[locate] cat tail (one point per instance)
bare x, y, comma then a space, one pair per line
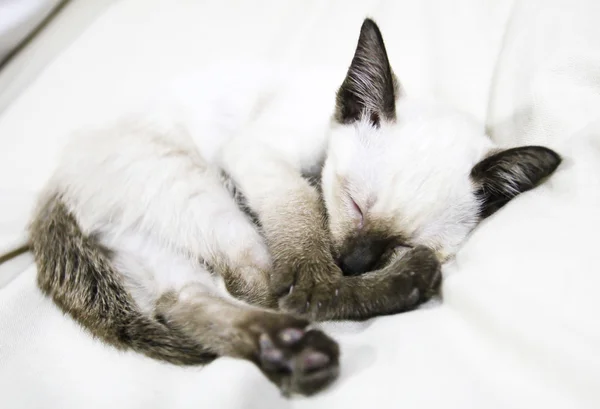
75, 270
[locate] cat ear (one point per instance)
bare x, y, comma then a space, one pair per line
504, 175
370, 88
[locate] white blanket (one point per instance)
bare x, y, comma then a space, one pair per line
518, 325
65, 20
18, 19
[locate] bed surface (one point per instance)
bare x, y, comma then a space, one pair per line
518, 325
18, 19
65, 20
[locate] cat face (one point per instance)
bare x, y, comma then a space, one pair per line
400, 173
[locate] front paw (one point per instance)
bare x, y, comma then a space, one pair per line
316, 303
312, 287
299, 361
418, 276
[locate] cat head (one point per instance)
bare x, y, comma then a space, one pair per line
400, 173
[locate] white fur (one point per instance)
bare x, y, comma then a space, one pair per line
149, 184
413, 174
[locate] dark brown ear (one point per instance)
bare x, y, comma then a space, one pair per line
370, 88
506, 174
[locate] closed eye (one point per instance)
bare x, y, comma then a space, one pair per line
356, 207
357, 210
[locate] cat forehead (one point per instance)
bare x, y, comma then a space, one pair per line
420, 141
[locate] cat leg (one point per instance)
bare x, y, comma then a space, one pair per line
295, 358
215, 230
290, 212
222, 236
305, 276
139, 177
143, 299
400, 286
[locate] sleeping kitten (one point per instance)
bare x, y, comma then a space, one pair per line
140, 239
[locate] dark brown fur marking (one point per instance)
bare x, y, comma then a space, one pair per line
367, 250
369, 65
507, 173
77, 273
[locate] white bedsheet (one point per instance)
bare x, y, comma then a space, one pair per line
19, 18
518, 326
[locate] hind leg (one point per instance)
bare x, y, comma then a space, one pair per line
210, 226
182, 295
169, 193
296, 359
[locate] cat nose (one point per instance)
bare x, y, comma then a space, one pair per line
357, 262
362, 255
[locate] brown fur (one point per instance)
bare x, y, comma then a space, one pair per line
186, 329
76, 272
370, 63
504, 174
368, 248
310, 283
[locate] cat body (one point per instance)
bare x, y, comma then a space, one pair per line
180, 229
168, 154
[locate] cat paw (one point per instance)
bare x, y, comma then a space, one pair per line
299, 361
418, 276
401, 286
310, 289
316, 302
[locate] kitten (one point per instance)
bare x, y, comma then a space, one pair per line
139, 238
